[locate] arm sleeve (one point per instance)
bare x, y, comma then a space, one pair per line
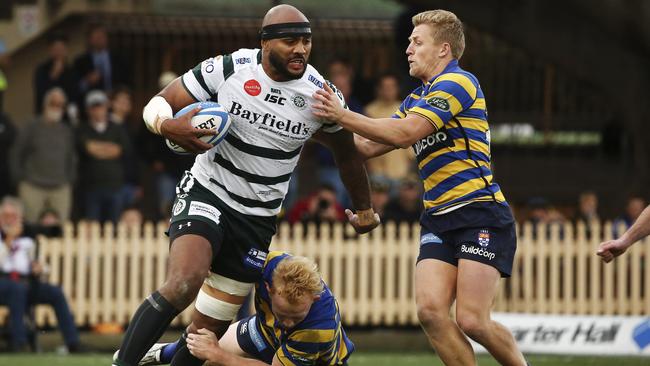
205, 79
450, 94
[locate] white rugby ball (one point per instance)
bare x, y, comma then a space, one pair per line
212, 116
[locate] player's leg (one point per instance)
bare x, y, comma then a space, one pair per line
216, 306
477, 288
189, 261
435, 289
485, 255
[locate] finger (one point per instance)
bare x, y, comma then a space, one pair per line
320, 98
377, 218
204, 331
352, 217
192, 113
327, 88
204, 132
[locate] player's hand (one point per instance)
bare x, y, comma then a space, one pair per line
204, 345
611, 249
180, 131
363, 221
329, 106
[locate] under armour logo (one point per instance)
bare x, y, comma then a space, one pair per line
180, 226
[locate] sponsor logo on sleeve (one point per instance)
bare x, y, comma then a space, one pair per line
205, 210
439, 103
243, 60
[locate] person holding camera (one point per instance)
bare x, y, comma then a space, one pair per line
320, 206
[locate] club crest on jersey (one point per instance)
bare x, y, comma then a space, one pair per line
252, 87
483, 238
299, 102
439, 103
179, 207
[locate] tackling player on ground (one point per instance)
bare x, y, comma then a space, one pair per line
468, 235
225, 211
297, 323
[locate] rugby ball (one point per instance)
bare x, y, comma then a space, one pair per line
212, 116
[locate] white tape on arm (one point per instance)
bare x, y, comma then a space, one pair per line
155, 112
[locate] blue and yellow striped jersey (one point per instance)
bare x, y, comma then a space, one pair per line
318, 340
454, 161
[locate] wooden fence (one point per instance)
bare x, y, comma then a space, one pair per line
105, 277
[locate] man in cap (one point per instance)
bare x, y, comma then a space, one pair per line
101, 144
225, 210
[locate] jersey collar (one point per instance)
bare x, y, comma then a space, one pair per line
451, 65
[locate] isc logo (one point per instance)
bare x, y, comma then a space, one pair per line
275, 99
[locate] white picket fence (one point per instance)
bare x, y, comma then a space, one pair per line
106, 277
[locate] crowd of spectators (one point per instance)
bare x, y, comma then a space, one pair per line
86, 156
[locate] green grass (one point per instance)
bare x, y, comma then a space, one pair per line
359, 359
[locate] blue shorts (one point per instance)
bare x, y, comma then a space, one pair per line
482, 232
252, 341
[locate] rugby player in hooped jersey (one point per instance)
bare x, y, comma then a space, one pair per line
467, 237
226, 206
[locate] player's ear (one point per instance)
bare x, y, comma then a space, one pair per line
316, 298
445, 49
268, 288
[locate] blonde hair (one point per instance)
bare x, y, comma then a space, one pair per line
296, 276
446, 28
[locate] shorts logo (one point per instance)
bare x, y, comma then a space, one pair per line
205, 210
429, 238
299, 102
439, 103
255, 258
477, 251
252, 87
483, 238
256, 337
179, 207
242, 331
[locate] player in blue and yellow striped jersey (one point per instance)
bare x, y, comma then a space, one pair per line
297, 323
467, 238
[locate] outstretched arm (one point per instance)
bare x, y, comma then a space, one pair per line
387, 131
353, 174
639, 230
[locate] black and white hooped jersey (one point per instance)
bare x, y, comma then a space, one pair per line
250, 169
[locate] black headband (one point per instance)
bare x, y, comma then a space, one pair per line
282, 30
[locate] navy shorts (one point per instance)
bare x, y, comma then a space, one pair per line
239, 242
251, 340
482, 232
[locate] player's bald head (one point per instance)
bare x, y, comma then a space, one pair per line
283, 14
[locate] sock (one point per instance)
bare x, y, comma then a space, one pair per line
183, 357
147, 325
168, 352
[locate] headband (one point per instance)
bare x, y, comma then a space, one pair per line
282, 30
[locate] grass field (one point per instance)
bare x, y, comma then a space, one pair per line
359, 359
